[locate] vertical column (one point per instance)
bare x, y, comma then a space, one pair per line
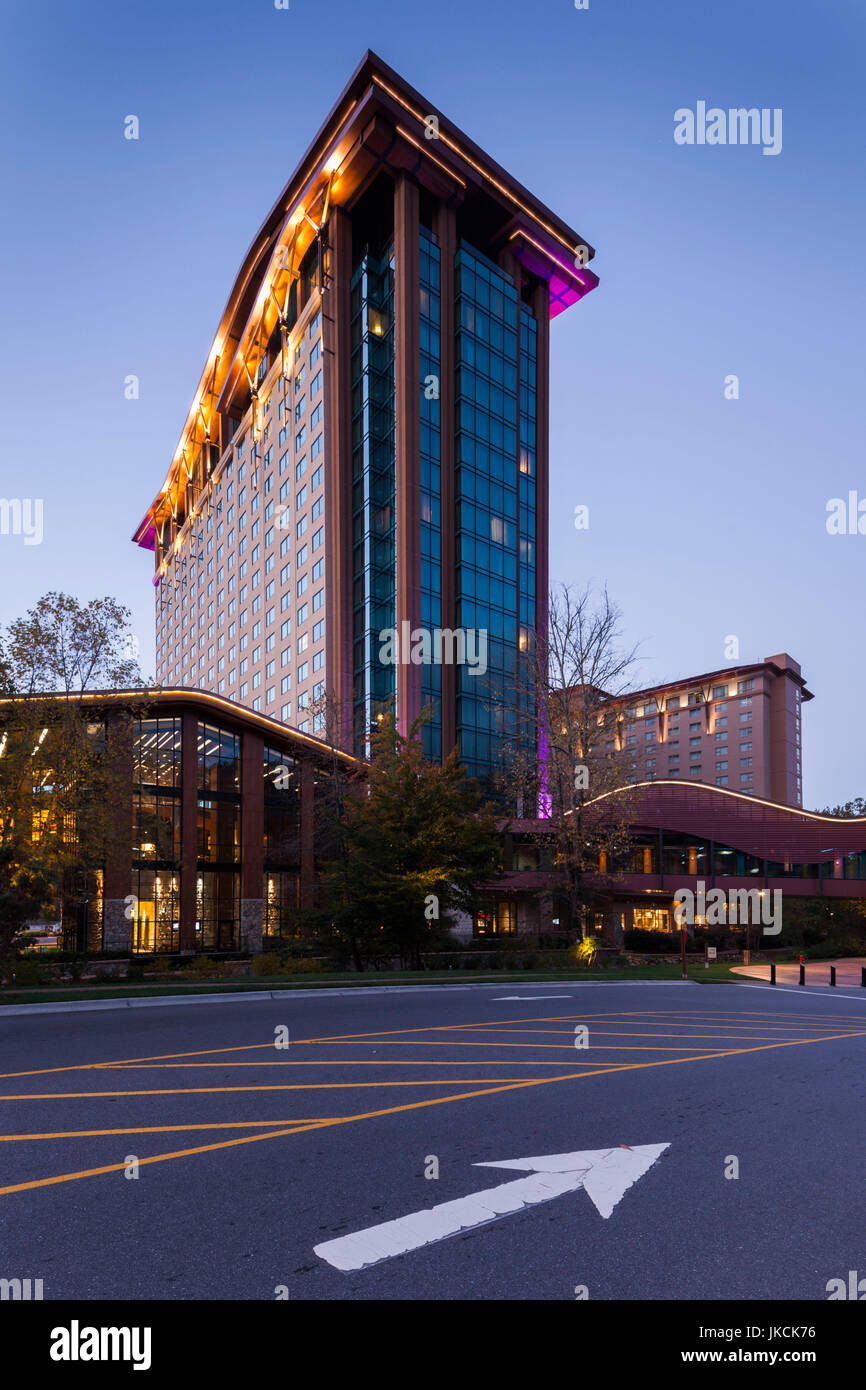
336, 341
541, 310
188, 829
407, 415
117, 883
446, 232
308, 813
252, 838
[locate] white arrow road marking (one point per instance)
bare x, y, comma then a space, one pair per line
605, 1174
503, 998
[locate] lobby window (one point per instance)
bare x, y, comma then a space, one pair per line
156, 924
498, 920
651, 919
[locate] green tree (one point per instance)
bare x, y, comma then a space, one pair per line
58, 780
413, 844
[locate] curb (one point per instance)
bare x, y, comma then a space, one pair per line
167, 1001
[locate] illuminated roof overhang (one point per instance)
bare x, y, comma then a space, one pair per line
378, 123
213, 706
752, 824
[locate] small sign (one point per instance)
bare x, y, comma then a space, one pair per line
711, 953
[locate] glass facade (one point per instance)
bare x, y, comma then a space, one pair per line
373, 486
282, 788
431, 479
156, 924
156, 835
488, 363
281, 895
219, 839
217, 910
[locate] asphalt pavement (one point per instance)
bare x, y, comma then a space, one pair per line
695, 1141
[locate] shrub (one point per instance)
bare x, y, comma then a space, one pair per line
268, 963
26, 972
302, 965
586, 951
651, 942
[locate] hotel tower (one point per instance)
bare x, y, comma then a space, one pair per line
367, 447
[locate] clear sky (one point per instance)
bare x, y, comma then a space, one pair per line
707, 516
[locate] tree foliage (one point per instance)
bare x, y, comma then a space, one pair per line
59, 786
411, 845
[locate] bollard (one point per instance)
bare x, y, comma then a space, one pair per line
833, 975
802, 979
863, 976
772, 972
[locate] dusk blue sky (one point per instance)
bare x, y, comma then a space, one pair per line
707, 516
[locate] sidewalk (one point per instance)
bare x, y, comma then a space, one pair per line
817, 972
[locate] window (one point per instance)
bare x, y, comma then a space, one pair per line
745, 747
720, 692
745, 762
743, 686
